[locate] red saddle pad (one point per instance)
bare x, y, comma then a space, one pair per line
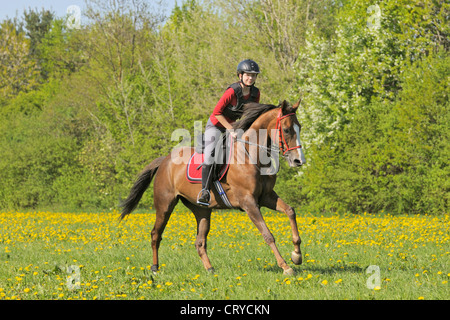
194, 166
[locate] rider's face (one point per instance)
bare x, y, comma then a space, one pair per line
248, 78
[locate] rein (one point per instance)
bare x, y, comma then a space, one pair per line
258, 145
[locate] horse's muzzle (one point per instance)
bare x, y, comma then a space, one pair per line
297, 163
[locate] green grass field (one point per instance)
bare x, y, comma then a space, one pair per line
111, 260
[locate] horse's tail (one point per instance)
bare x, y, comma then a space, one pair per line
139, 187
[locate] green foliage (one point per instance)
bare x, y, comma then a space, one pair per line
82, 111
37, 24
392, 156
34, 150
376, 105
18, 71
59, 51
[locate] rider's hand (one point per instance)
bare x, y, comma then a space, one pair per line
233, 134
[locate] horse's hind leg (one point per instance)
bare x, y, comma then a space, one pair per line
203, 217
164, 206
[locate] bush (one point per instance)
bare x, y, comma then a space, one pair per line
393, 155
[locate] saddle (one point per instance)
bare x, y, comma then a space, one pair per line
194, 165
220, 168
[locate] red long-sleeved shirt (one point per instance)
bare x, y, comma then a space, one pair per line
229, 97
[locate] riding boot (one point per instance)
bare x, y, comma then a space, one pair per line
207, 175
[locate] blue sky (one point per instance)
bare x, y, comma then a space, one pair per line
8, 8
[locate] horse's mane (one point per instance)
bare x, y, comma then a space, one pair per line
251, 112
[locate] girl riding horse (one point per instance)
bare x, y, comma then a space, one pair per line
226, 112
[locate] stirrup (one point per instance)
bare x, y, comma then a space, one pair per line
202, 202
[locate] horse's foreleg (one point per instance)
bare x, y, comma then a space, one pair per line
274, 202
250, 206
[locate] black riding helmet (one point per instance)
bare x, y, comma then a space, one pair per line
248, 66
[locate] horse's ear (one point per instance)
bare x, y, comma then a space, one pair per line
285, 107
297, 104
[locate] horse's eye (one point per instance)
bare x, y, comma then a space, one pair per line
286, 130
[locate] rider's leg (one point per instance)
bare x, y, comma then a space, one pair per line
212, 136
204, 196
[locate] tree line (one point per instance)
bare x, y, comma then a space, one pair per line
83, 110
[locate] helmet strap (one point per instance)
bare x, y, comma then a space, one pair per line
247, 85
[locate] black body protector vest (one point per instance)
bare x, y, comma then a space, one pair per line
235, 112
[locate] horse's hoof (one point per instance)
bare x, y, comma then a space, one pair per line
289, 272
154, 268
211, 270
296, 258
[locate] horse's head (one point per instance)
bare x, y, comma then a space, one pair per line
288, 131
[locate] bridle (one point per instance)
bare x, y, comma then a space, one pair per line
283, 146
281, 139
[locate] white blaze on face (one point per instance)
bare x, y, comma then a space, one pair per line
300, 150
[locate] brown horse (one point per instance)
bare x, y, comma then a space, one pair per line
245, 185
